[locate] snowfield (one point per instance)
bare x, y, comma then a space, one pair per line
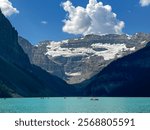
110, 50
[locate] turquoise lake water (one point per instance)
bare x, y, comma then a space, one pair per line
75, 105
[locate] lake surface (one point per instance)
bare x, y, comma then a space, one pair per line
75, 105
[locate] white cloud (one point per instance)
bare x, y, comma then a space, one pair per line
96, 18
144, 2
7, 8
44, 22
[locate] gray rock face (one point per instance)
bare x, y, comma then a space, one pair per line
76, 60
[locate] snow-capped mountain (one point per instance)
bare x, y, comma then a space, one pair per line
76, 60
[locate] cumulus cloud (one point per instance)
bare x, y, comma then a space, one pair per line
44, 22
7, 8
96, 18
144, 2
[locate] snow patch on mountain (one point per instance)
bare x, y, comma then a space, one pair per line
73, 74
108, 51
112, 50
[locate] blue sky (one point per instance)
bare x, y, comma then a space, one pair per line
28, 21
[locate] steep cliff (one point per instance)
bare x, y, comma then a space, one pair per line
19, 78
